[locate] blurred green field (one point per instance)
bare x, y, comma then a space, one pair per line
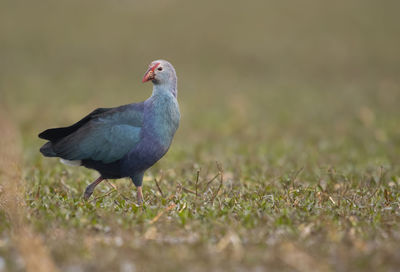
297, 102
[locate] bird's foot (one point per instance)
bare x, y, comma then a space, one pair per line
89, 190
88, 193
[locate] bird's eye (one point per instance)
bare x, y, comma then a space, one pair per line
159, 68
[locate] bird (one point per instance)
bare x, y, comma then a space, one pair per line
124, 141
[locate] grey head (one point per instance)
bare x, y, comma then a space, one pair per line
162, 74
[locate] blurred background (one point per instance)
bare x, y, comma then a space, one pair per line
246, 69
265, 87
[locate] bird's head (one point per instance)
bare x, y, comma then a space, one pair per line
160, 72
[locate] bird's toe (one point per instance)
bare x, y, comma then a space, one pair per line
87, 194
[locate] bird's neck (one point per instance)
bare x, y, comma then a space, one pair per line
162, 117
165, 89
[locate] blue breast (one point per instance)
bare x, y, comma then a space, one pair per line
160, 122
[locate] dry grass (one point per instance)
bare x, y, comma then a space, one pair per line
30, 246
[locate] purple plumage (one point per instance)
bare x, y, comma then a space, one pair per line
124, 141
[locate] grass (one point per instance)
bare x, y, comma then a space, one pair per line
287, 156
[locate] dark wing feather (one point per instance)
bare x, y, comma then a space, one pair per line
54, 134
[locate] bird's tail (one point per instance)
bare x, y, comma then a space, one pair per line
47, 150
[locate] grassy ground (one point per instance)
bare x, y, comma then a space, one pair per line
287, 157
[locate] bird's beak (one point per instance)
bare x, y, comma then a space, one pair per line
149, 75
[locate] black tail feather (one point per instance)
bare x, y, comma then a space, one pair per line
55, 134
47, 150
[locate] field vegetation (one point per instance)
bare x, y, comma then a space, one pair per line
287, 156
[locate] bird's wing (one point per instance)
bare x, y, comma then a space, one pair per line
107, 137
54, 134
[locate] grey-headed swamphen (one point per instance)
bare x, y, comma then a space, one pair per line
124, 141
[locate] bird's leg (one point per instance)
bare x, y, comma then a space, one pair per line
89, 190
139, 195
137, 179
